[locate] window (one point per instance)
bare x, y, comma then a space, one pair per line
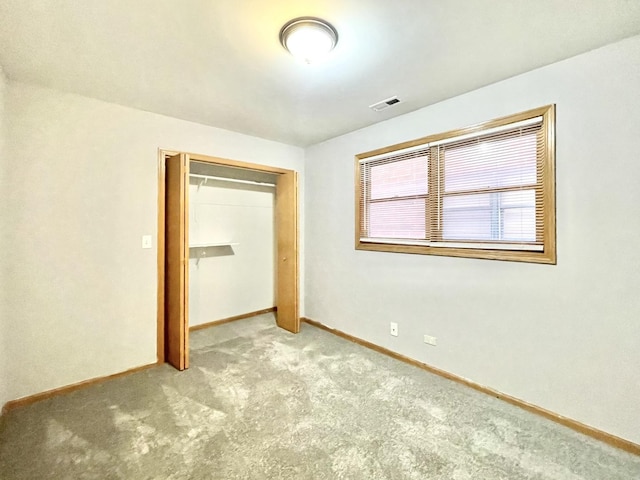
486, 191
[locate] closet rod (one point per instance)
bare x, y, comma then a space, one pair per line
236, 180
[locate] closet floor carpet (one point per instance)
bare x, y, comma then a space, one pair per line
260, 403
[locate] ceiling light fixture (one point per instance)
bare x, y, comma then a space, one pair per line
308, 38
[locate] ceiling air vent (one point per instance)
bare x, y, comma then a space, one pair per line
378, 107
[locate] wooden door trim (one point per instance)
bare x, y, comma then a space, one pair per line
162, 173
162, 154
227, 162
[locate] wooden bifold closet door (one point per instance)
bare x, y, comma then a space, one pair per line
175, 318
287, 316
177, 261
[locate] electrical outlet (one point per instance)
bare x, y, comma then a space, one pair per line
393, 329
429, 340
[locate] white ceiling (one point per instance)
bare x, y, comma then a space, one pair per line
219, 62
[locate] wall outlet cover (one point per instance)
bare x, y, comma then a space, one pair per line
429, 340
393, 329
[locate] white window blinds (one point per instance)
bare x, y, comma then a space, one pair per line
395, 192
478, 190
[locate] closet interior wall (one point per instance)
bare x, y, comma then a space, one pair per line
232, 242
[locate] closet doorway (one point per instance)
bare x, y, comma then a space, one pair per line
174, 242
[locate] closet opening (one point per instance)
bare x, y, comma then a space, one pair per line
231, 243
227, 247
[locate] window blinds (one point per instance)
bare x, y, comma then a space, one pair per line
478, 190
394, 191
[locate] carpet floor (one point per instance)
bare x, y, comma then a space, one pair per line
260, 403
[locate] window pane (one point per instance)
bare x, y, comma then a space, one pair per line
400, 178
509, 216
518, 215
504, 162
398, 219
466, 217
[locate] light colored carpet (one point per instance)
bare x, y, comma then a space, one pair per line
260, 403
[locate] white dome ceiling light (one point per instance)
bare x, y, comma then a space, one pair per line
308, 39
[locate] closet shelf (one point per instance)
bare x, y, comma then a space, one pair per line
216, 244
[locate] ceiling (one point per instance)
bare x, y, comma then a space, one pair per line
219, 62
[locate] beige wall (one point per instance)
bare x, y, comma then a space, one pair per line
83, 190
564, 337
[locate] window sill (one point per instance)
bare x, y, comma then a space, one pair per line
548, 257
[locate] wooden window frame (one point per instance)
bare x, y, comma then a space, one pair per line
547, 171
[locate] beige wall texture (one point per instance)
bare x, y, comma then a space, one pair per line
82, 177
564, 337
